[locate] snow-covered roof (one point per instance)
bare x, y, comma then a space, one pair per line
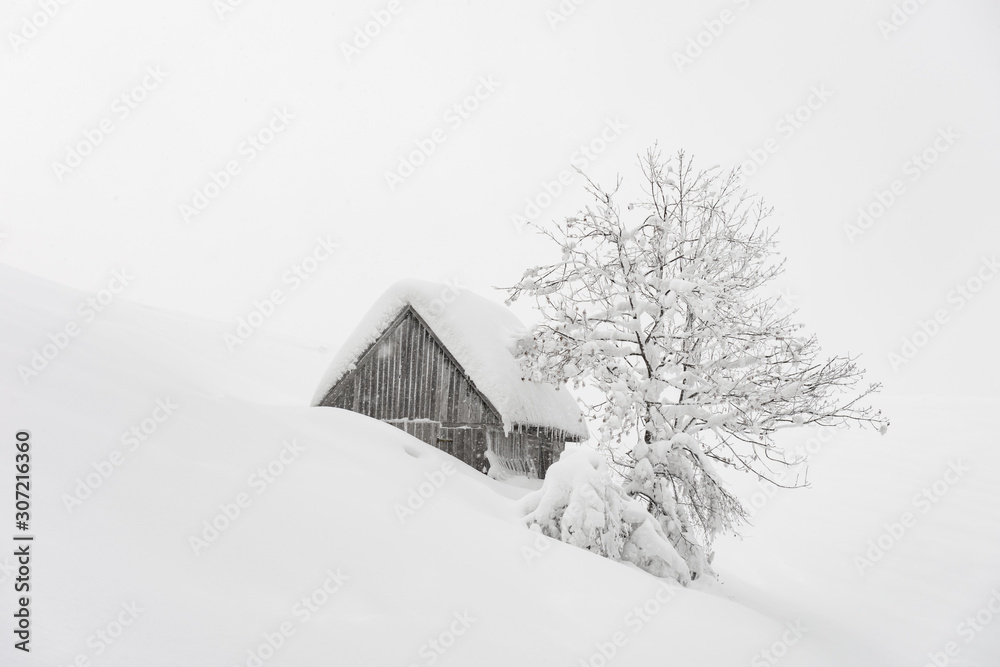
481, 335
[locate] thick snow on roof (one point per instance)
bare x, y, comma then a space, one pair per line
481, 335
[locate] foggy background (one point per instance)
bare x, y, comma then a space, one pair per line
826, 105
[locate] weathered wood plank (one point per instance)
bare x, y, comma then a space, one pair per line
407, 375
408, 379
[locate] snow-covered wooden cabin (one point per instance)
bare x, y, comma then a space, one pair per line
439, 364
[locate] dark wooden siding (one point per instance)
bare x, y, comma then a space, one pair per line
408, 379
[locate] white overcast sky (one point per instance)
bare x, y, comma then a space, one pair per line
885, 97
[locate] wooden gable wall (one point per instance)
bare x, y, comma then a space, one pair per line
408, 379
407, 374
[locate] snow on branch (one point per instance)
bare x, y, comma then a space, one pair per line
661, 307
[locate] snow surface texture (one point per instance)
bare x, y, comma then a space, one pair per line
332, 511
482, 336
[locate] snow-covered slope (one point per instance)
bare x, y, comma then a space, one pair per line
896, 544
318, 493
188, 512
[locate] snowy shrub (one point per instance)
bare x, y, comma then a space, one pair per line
581, 505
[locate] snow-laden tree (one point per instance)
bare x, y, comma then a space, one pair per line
664, 308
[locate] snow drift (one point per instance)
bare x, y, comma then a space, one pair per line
579, 504
308, 559
240, 531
